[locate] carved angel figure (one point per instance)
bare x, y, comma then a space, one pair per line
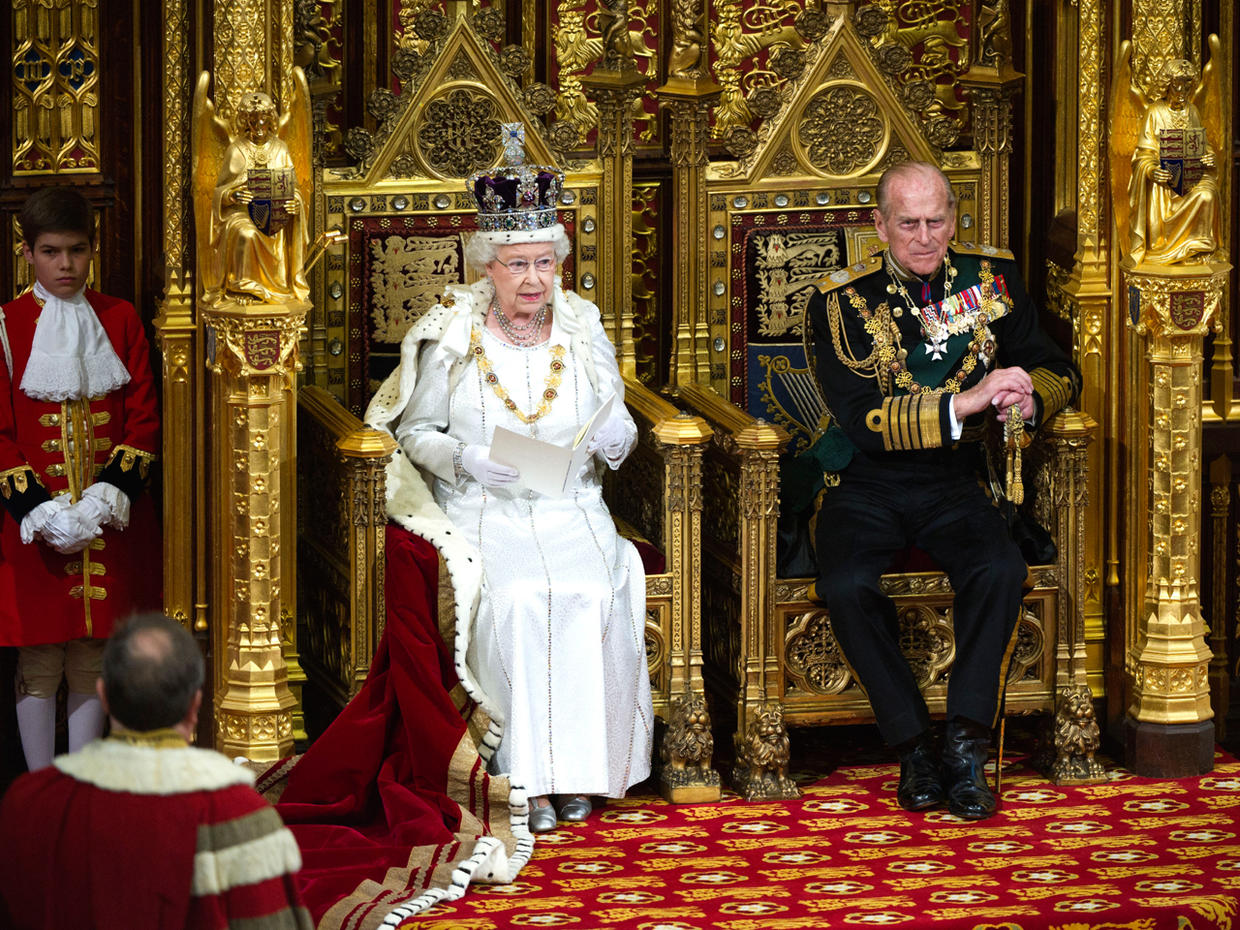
1171, 201
249, 204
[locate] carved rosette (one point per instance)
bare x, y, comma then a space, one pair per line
843, 131
459, 133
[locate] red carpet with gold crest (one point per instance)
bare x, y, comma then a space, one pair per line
1131, 853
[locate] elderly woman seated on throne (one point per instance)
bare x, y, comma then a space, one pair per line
554, 649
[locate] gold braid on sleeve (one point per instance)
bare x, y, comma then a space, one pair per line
17, 480
131, 456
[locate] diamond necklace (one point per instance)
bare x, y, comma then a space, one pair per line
520, 334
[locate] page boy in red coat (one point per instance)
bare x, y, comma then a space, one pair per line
79, 431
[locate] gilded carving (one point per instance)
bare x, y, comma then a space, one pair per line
688, 53
1089, 127
241, 53
842, 130
55, 81
751, 41
1159, 35
686, 752
459, 133
762, 755
1163, 162
176, 141
251, 188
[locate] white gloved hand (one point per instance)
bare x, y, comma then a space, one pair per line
69, 531
611, 439
477, 461
105, 504
34, 522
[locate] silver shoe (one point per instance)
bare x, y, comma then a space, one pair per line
576, 809
542, 819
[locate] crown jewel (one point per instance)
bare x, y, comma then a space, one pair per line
516, 195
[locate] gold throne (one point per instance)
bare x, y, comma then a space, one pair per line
795, 205
403, 210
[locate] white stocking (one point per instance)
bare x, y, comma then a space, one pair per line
85, 719
36, 721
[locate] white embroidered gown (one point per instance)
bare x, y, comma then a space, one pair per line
558, 643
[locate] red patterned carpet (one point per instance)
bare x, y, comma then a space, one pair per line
1132, 853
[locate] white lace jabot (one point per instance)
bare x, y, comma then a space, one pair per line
70, 356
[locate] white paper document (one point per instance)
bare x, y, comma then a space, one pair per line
546, 467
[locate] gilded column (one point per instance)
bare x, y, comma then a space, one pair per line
366, 452
1220, 517
252, 321
690, 94
253, 353
615, 84
685, 437
177, 332
760, 445
1087, 295
1169, 731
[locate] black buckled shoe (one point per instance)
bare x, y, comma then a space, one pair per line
921, 784
965, 750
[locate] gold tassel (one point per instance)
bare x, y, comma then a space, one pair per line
1013, 440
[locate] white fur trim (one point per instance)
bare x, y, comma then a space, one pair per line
116, 766
216, 871
522, 236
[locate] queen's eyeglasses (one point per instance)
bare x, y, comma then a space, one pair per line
519, 266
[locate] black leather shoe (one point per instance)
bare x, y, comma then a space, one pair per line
964, 770
921, 785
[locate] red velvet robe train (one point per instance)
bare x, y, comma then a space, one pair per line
391, 806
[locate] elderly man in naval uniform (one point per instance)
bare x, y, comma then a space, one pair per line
911, 348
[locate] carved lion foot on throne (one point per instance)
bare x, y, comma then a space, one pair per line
761, 770
688, 745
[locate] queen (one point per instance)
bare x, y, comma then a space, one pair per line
555, 649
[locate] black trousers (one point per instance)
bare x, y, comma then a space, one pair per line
875, 513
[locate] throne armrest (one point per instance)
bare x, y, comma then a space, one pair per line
741, 482
658, 492
341, 521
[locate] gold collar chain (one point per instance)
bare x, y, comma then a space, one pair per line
929, 323
549, 387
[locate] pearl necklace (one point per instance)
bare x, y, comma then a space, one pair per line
523, 334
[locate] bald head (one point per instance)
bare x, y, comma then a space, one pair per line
911, 172
152, 673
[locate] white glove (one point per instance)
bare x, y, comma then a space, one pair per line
69, 531
105, 504
34, 522
477, 461
611, 440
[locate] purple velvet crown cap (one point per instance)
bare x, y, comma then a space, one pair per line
516, 197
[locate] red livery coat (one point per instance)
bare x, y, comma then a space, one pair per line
47, 448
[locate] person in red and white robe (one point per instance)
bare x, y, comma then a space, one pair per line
141, 829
